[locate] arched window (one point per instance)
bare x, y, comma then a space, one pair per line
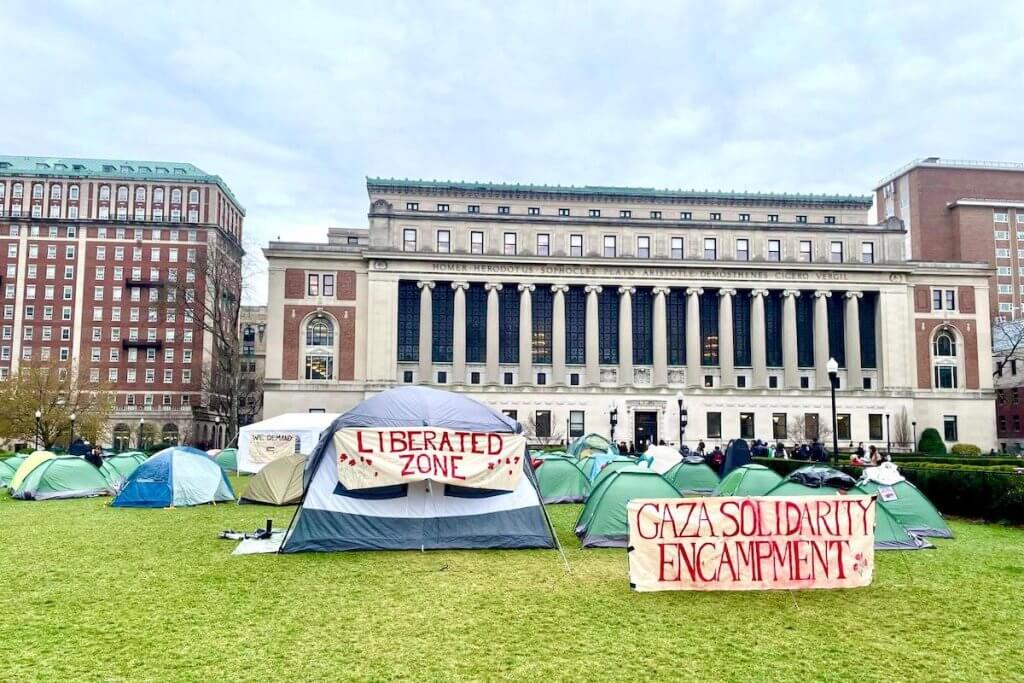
193, 196
140, 194
945, 344
176, 196
104, 193
158, 194
944, 360
17, 190
320, 332
319, 349
73, 193
170, 434
122, 193
55, 192
122, 437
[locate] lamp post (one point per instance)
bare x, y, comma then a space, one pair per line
39, 417
141, 446
613, 419
682, 418
833, 378
914, 425
216, 431
888, 440
72, 440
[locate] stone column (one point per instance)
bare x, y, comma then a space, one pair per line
726, 354
791, 370
854, 377
558, 334
493, 331
693, 336
758, 349
459, 333
593, 346
821, 338
526, 334
659, 331
626, 335
426, 366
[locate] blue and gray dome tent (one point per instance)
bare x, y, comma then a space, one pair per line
175, 477
419, 514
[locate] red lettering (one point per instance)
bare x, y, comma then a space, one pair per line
407, 468
726, 510
455, 460
359, 443
666, 560
445, 444
640, 517
495, 444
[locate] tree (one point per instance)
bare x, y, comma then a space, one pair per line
545, 437
1007, 344
902, 435
798, 430
57, 392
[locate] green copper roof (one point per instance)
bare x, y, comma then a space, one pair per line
856, 201
153, 171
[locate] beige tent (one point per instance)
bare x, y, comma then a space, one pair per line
278, 483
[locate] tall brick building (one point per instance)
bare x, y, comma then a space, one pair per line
95, 255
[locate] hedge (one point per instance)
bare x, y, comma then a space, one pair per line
973, 491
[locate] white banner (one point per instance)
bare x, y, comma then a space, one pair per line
369, 458
264, 448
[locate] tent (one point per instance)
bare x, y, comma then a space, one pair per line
603, 522
279, 483
117, 468
30, 463
749, 480
562, 481
591, 444
420, 514
904, 501
262, 442
176, 476
64, 476
736, 455
597, 469
692, 474
819, 480
8, 467
228, 459
662, 458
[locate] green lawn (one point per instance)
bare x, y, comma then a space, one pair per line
95, 593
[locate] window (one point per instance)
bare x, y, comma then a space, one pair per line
533, 211
875, 427
715, 216
442, 208
945, 377
409, 239
542, 378
610, 245
710, 249
643, 247
327, 280
510, 244
744, 217
543, 244
746, 425
595, 213
576, 423
1000, 217
944, 345
843, 426
656, 214
476, 242
625, 213
563, 212
779, 426
444, 241
575, 245
473, 208
504, 210
867, 252
1002, 253
320, 349
950, 299
412, 206
801, 219
775, 250
542, 424
714, 426
949, 428
685, 215
837, 252
830, 220
677, 248
312, 285
742, 250
773, 218
1002, 234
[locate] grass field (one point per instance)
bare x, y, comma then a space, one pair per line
95, 593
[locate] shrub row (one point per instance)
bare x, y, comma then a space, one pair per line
973, 491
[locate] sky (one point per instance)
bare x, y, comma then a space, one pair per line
295, 103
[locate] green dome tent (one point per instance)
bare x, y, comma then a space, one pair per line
27, 465
584, 446
8, 467
603, 522
117, 468
561, 481
64, 476
228, 459
904, 501
692, 474
889, 533
278, 483
749, 480
596, 473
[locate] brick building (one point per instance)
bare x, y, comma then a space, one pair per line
253, 324
94, 257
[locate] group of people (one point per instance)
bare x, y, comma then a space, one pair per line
812, 451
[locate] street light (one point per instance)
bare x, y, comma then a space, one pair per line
140, 434
39, 417
914, 425
682, 418
73, 416
888, 440
216, 431
833, 376
613, 419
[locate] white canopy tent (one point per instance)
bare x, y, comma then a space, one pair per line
265, 441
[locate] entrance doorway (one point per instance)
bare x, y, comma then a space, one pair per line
645, 429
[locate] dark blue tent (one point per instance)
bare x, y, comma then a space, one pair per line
422, 514
176, 476
736, 456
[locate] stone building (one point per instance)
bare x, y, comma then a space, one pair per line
581, 309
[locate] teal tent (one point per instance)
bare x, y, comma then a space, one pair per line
591, 444
749, 480
8, 467
64, 476
561, 480
228, 459
598, 467
692, 474
603, 522
117, 468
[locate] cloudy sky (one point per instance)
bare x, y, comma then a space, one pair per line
295, 103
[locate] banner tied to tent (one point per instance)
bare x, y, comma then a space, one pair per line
761, 543
369, 458
264, 448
